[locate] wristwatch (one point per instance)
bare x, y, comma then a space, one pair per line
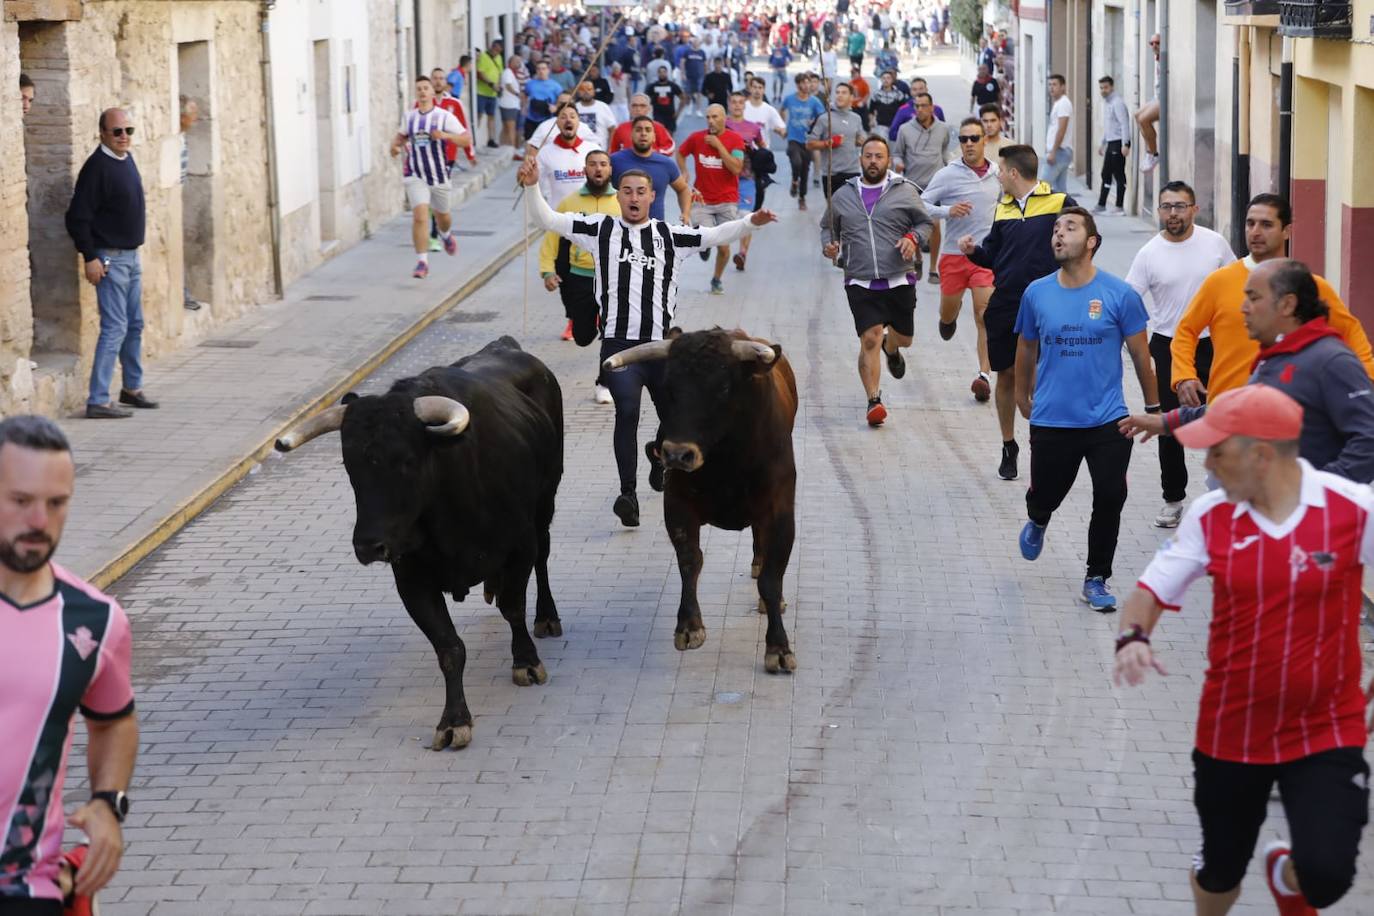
118, 802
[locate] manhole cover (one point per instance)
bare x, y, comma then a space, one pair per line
329, 298
222, 344
729, 697
470, 317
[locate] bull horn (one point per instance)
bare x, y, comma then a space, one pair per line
749, 350
654, 349
326, 421
441, 416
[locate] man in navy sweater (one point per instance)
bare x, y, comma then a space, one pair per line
106, 223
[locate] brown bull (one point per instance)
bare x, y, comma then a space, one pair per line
726, 446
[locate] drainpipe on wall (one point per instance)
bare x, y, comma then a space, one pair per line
1088, 107
419, 64
1162, 124
1240, 138
273, 199
1286, 120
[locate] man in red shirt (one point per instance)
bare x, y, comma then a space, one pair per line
640, 107
1286, 546
719, 157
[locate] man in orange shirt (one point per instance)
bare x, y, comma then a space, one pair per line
1216, 307
862, 91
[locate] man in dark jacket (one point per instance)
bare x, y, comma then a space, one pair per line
876, 223
1305, 358
106, 223
1018, 252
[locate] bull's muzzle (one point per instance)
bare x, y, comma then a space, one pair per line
681, 456
369, 552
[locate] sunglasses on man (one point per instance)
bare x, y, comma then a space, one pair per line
122, 131
970, 138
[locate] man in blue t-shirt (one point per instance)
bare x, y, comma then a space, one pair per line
542, 95
662, 169
693, 63
778, 59
800, 110
1070, 330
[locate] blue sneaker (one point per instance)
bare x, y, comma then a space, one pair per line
1032, 540
1097, 596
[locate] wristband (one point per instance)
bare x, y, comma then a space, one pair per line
1132, 634
911, 236
1152, 408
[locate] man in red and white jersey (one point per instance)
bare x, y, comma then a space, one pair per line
1286, 546
63, 646
622, 136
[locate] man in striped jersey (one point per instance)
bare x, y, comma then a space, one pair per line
636, 258
1286, 545
424, 129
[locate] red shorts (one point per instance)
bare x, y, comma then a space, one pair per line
958, 273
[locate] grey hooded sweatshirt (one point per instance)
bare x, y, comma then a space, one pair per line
868, 241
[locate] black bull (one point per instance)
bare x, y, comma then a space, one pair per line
726, 447
454, 473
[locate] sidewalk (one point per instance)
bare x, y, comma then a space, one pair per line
225, 400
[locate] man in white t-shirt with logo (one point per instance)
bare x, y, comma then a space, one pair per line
597, 115
1171, 266
563, 160
423, 131
1054, 168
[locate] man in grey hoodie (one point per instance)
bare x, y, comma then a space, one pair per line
874, 225
1305, 358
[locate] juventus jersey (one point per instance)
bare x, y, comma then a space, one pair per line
637, 266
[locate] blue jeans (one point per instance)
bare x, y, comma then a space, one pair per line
1058, 173
120, 296
626, 385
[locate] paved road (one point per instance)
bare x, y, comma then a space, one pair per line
951, 743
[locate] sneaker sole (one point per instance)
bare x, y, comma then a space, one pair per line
877, 416
627, 518
1104, 609
982, 391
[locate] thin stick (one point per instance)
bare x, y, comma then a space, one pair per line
525, 272
830, 153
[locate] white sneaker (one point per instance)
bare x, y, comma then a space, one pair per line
1169, 516
1117, 211
602, 395
1148, 161
1099, 210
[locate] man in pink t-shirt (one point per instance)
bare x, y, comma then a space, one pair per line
63, 646
750, 194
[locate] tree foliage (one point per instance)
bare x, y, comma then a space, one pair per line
966, 18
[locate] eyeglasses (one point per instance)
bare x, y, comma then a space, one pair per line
965, 138
1173, 208
122, 131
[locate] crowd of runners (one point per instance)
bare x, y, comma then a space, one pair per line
1256, 360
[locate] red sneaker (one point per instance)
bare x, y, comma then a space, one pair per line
877, 413
739, 261
75, 904
981, 388
567, 332
1288, 904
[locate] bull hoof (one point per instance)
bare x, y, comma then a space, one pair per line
689, 639
551, 627
524, 675
488, 596
458, 736
755, 568
763, 608
776, 661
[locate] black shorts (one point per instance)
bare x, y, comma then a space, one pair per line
894, 308
1000, 322
1325, 798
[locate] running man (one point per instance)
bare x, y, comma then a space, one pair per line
924, 146
837, 135
800, 109
662, 169
993, 141
1171, 267
876, 222
751, 186
1287, 546
570, 269
718, 157
1072, 326
965, 193
637, 289
424, 129
1017, 249
641, 107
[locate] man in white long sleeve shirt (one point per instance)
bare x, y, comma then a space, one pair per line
965, 193
637, 268
1115, 145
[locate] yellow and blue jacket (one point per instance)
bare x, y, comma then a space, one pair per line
1017, 248
559, 256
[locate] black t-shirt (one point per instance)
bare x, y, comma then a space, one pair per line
717, 87
664, 95
990, 91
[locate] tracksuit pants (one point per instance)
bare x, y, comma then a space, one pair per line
1056, 453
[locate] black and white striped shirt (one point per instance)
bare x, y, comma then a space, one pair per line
637, 267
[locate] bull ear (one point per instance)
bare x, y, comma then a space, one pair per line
349, 398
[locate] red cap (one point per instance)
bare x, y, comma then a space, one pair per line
1256, 411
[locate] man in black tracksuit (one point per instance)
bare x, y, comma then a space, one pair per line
1018, 252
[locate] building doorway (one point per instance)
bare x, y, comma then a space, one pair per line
324, 143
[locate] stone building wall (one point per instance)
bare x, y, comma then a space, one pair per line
16, 317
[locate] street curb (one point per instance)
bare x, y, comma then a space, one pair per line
179, 517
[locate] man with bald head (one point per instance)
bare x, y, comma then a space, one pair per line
718, 156
106, 221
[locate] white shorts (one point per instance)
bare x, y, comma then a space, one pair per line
715, 214
421, 193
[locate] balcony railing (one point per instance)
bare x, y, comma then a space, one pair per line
1252, 7
1315, 19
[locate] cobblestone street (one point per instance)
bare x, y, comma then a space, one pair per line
951, 742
